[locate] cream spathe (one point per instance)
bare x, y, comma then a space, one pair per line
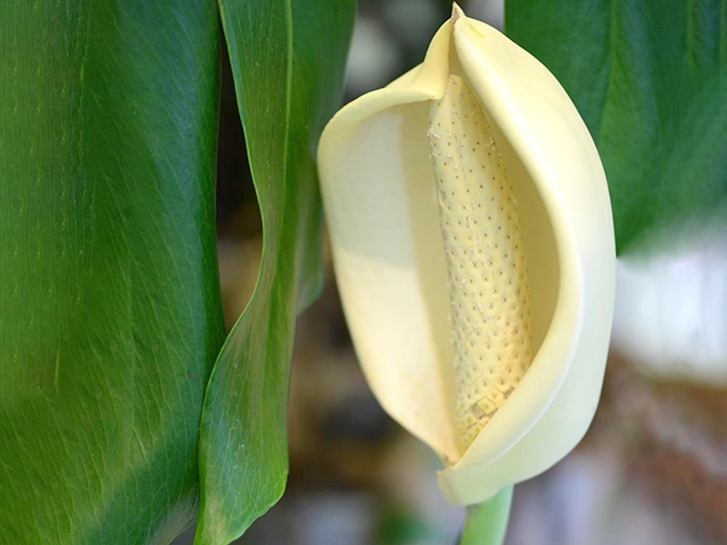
473, 244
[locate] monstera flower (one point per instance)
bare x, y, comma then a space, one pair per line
473, 246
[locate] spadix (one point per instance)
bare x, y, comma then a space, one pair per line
473, 245
486, 263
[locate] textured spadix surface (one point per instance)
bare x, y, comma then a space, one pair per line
486, 265
473, 245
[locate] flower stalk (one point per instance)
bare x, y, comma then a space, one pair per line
486, 523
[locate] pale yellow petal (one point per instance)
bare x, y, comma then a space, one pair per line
378, 192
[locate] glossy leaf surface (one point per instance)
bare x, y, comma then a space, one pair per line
111, 316
650, 79
287, 59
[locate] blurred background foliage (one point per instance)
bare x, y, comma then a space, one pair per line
652, 469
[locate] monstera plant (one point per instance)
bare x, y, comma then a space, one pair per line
469, 219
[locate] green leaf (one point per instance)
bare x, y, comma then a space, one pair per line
650, 79
111, 315
287, 60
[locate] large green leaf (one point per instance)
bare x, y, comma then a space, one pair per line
110, 315
287, 60
650, 79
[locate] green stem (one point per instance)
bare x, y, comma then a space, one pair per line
486, 523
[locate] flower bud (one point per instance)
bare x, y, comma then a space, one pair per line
473, 245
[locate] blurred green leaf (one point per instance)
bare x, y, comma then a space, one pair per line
111, 315
287, 60
399, 526
650, 79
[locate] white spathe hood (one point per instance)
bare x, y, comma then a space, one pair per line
380, 196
